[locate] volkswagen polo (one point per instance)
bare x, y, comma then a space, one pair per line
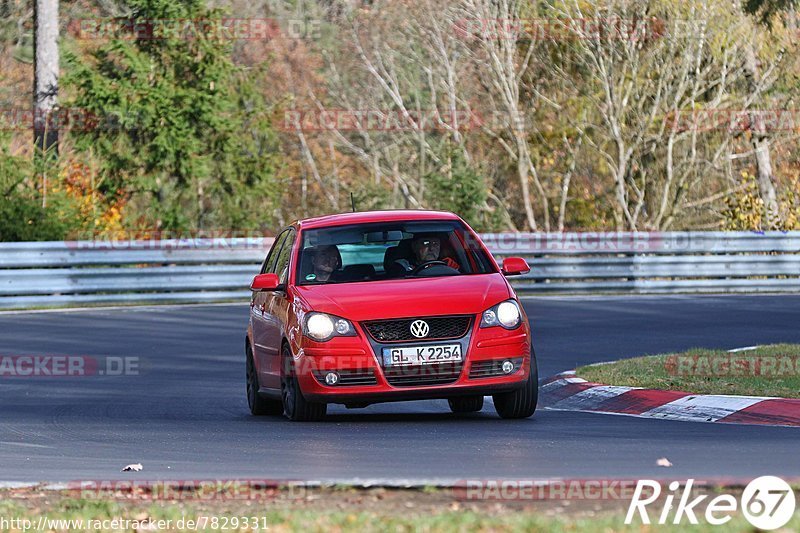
383, 306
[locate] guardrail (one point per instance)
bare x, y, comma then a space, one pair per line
669, 262
49, 274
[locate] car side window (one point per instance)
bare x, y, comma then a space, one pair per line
282, 262
269, 262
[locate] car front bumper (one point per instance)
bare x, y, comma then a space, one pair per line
360, 358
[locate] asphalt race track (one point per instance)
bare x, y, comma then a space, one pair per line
185, 416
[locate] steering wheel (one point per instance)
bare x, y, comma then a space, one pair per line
427, 264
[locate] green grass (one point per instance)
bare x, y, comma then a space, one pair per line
772, 370
358, 510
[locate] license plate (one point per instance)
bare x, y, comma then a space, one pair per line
421, 355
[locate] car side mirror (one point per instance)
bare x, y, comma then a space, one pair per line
514, 266
265, 282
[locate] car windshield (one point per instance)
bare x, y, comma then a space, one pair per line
389, 250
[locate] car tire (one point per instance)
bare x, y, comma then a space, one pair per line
520, 403
295, 405
467, 404
259, 405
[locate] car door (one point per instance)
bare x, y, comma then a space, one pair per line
276, 306
260, 319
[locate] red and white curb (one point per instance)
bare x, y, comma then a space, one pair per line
566, 392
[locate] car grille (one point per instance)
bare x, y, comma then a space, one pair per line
349, 377
414, 376
492, 368
441, 328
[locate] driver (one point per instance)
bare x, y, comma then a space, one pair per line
428, 248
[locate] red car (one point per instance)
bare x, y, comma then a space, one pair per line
383, 306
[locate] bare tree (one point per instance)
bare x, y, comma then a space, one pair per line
613, 109
46, 71
503, 60
405, 86
644, 75
761, 139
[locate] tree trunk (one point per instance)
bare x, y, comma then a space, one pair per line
760, 139
523, 164
766, 185
46, 69
791, 17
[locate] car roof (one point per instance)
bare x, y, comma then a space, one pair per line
363, 217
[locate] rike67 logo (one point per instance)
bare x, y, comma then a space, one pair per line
767, 502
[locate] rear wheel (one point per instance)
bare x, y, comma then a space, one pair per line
468, 404
520, 403
295, 406
258, 405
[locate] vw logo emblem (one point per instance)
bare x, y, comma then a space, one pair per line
419, 328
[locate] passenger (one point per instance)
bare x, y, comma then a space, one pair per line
326, 261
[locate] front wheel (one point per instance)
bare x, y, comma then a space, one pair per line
520, 403
295, 406
468, 404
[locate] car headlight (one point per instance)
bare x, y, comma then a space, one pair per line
505, 314
322, 327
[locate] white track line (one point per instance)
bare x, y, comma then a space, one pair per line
745, 349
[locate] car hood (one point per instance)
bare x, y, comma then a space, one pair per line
400, 298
